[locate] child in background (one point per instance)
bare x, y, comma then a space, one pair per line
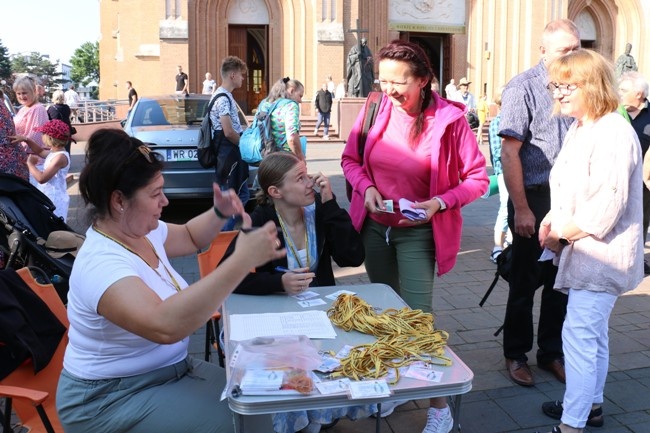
482, 109
52, 180
502, 235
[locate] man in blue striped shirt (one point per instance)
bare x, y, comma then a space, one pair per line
532, 138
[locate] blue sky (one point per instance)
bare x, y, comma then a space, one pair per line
51, 27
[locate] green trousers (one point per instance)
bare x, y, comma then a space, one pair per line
403, 258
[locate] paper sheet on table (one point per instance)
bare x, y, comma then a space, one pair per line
313, 324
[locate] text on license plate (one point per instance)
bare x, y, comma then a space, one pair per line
174, 155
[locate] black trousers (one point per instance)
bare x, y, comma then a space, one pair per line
526, 276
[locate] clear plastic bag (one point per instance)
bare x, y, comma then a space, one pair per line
273, 365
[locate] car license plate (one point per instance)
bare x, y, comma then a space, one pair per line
175, 155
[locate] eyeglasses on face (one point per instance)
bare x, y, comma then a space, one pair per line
564, 89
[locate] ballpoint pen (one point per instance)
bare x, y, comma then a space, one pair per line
282, 269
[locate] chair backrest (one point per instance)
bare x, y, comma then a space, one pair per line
48, 378
210, 258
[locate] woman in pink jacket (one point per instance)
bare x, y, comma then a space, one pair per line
420, 148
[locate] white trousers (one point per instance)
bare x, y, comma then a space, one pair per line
585, 343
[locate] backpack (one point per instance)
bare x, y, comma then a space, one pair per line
257, 141
205, 151
504, 264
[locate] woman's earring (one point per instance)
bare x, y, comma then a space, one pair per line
121, 209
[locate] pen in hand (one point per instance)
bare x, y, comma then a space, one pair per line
282, 269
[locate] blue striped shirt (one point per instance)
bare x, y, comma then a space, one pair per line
527, 116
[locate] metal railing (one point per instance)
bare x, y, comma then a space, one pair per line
96, 111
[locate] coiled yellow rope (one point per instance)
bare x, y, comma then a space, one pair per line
403, 336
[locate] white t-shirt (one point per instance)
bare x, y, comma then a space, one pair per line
71, 98
208, 87
56, 189
99, 349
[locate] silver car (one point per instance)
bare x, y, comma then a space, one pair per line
170, 124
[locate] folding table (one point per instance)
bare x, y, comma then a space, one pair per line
456, 379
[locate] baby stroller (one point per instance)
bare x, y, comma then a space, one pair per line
26, 222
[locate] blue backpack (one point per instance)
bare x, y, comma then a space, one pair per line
257, 141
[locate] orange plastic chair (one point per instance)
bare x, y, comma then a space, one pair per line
33, 395
208, 260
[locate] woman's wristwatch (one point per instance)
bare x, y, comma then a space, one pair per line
219, 214
564, 241
443, 205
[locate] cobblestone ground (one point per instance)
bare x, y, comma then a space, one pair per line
495, 404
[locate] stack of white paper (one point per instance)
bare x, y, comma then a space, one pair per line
260, 381
313, 324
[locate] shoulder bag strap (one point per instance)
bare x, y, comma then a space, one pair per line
210, 105
217, 96
371, 109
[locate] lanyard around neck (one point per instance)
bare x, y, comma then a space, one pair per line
291, 244
132, 251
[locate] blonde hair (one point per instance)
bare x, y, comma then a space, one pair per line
53, 142
595, 77
58, 97
272, 172
26, 84
281, 88
497, 96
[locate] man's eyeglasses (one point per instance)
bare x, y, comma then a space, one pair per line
564, 89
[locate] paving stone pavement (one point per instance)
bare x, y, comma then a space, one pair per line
495, 404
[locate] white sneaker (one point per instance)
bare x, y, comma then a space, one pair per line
389, 407
439, 421
315, 131
326, 137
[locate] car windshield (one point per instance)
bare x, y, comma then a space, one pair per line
170, 111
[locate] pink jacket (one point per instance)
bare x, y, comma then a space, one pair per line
456, 162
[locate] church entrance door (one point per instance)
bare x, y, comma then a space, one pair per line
250, 43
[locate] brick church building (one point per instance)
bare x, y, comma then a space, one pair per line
487, 41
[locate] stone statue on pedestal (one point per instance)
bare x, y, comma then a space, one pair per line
625, 62
360, 75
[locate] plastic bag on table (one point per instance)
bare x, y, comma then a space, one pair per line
273, 365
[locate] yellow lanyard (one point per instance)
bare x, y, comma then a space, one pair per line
292, 246
129, 249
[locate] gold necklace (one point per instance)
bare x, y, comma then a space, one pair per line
289, 240
132, 251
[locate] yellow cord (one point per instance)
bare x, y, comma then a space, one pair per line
403, 337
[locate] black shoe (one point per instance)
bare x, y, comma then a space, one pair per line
554, 409
646, 268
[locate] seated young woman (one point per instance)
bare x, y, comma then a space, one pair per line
311, 226
314, 230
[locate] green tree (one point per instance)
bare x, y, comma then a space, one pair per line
85, 63
5, 62
37, 65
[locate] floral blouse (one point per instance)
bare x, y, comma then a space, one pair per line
12, 156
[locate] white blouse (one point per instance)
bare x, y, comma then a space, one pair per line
596, 182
